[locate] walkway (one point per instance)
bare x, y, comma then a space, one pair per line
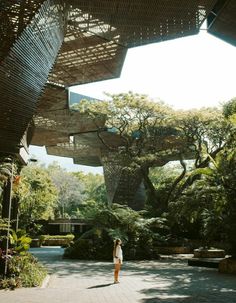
165, 281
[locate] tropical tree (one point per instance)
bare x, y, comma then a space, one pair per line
142, 130
205, 200
227, 175
148, 134
225, 172
163, 179
37, 194
94, 187
69, 191
229, 110
208, 133
137, 121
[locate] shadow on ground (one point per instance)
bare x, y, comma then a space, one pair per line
100, 285
161, 281
174, 282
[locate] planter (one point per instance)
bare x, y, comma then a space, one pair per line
170, 250
227, 266
56, 242
35, 243
209, 253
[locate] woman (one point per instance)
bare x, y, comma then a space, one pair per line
117, 259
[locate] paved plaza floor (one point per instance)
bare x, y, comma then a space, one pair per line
169, 280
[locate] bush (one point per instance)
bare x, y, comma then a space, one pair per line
81, 249
63, 240
23, 271
93, 245
96, 245
137, 234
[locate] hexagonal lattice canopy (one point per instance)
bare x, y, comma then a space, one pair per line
100, 32
92, 38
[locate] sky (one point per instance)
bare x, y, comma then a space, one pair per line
191, 72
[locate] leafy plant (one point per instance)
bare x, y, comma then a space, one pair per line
118, 221
58, 239
19, 241
23, 271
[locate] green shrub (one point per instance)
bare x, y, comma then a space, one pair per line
56, 239
23, 271
95, 244
10, 283
81, 249
138, 235
19, 241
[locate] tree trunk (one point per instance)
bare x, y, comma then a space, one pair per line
151, 191
177, 180
6, 199
191, 179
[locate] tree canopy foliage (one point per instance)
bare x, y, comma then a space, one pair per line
143, 128
69, 191
37, 194
52, 192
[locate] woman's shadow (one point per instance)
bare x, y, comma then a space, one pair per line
100, 285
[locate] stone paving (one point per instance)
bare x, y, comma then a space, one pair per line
169, 280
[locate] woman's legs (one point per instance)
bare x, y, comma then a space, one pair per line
116, 272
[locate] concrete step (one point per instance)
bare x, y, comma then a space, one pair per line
205, 262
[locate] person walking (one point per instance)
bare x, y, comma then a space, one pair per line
117, 259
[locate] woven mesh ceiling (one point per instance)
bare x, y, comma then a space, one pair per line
98, 36
86, 58
99, 33
26, 60
222, 21
14, 16
81, 41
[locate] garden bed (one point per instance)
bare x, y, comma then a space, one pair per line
22, 271
169, 250
209, 253
57, 240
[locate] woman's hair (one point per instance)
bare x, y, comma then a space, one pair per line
116, 242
